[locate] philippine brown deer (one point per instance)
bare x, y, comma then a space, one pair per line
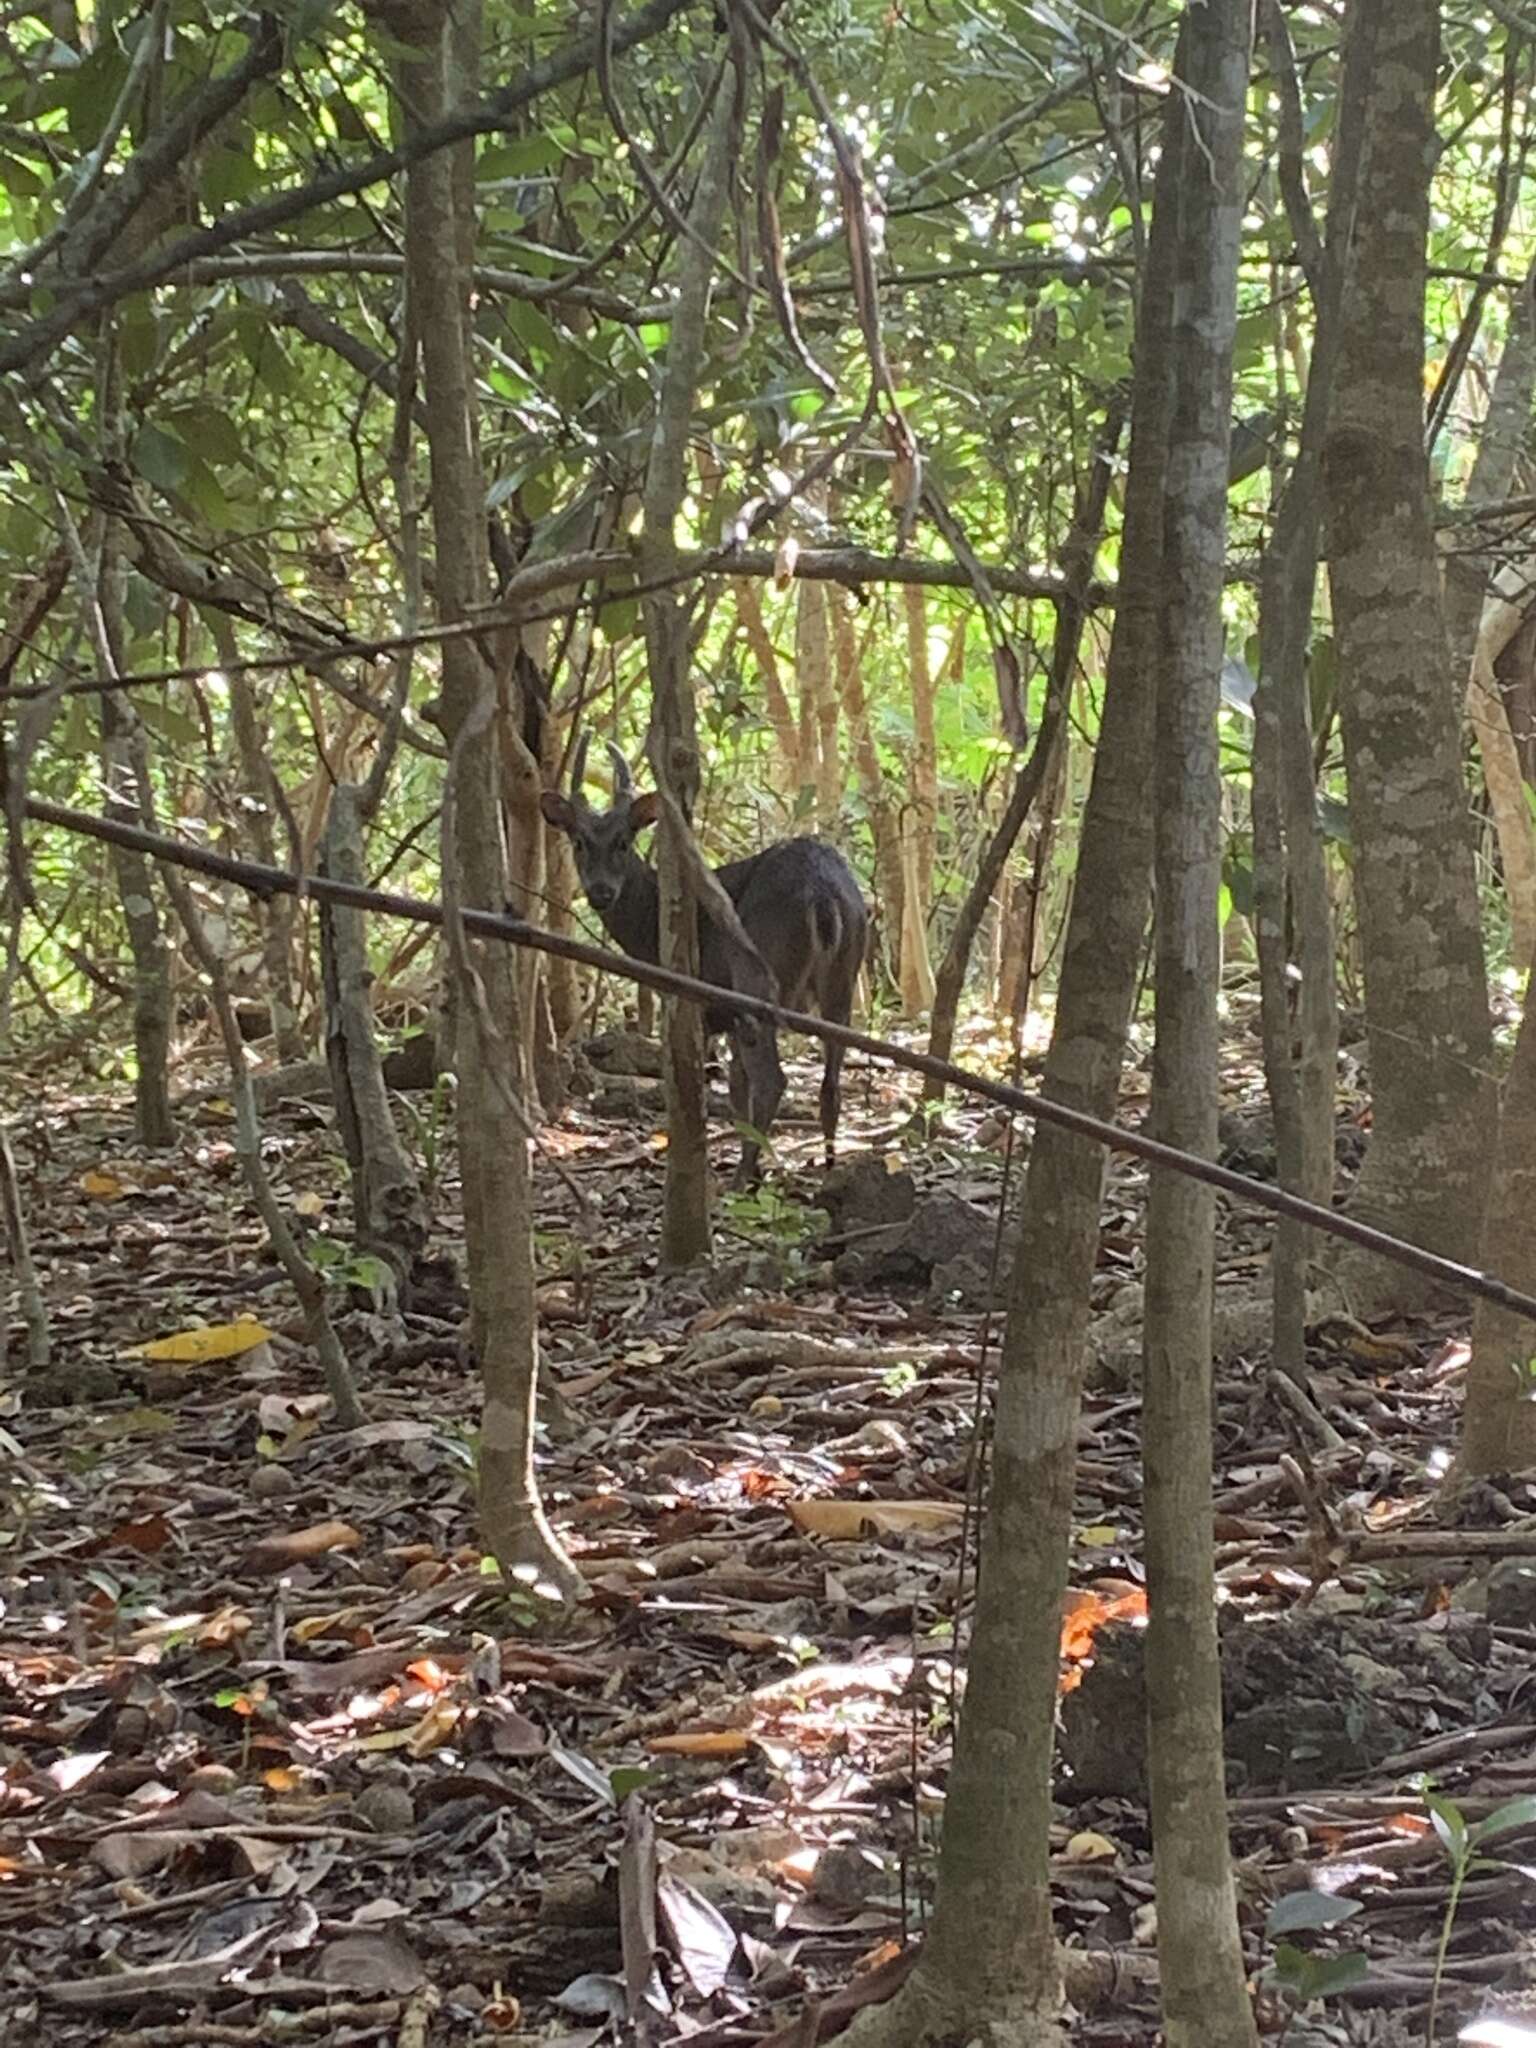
798, 903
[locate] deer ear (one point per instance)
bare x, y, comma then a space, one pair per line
643, 810
557, 809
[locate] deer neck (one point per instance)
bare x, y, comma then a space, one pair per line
633, 921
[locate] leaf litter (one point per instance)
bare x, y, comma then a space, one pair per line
281, 1758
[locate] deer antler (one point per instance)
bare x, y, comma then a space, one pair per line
623, 781
579, 765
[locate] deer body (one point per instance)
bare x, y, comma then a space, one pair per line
798, 903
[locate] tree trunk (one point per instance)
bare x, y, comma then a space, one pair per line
1293, 912
278, 915
1071, 612
125, 778
821, 763
488, 1026
1498, 1430
990, 1969
389, 1216
1425, 1174
788, 774
884, 827
29, 1295
1200, 1958
1503, 436
674, 743
924, 793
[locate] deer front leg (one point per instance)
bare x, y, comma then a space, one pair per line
757, 1078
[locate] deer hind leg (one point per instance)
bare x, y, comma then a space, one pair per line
757, 1089
837, 1008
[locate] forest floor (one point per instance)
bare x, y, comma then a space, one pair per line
281, 1761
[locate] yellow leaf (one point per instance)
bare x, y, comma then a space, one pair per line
439, 1724
102, 1187
844, 1520
309, 1204
1100, 1536
1089, 1847
202, 1347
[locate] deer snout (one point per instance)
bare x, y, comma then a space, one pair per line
602, 895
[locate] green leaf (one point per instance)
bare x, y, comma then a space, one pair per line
1299, 1910
618, 620
1514, 1813
159, 457
533, 330
19, 179
207, 495
138, 337
626, 1778
519, 159
1449, 1824
653, 334
212, 433
176, 727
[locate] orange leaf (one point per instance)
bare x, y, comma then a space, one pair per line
702, 1742
294, 1546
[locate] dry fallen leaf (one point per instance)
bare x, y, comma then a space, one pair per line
202, 1347
702, 1742
294, 1546
846, 1520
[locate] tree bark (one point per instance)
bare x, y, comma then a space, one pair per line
389, 1216
1498, 1430
1425, 1174
1071, 613
990, 1970
1503, 436
673, 744
788, 773
923, 832
1293, 907
488, 1025
884, 827
1200, 1957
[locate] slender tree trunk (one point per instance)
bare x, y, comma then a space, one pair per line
1200, 1958
1425, 1174
488, 1025
884, 827
819, 751
674, 742
923, 808
1071, 611
1504, 433
278, 916
389, 1217
125, 776
990, 1970
788, 774
1293, 909
29, 1295
1498, 1431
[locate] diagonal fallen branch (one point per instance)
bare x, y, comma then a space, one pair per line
263, 881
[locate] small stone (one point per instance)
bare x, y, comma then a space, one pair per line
845, 1875
273, 1482
218, 1779
1512, 1593
387, 1809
